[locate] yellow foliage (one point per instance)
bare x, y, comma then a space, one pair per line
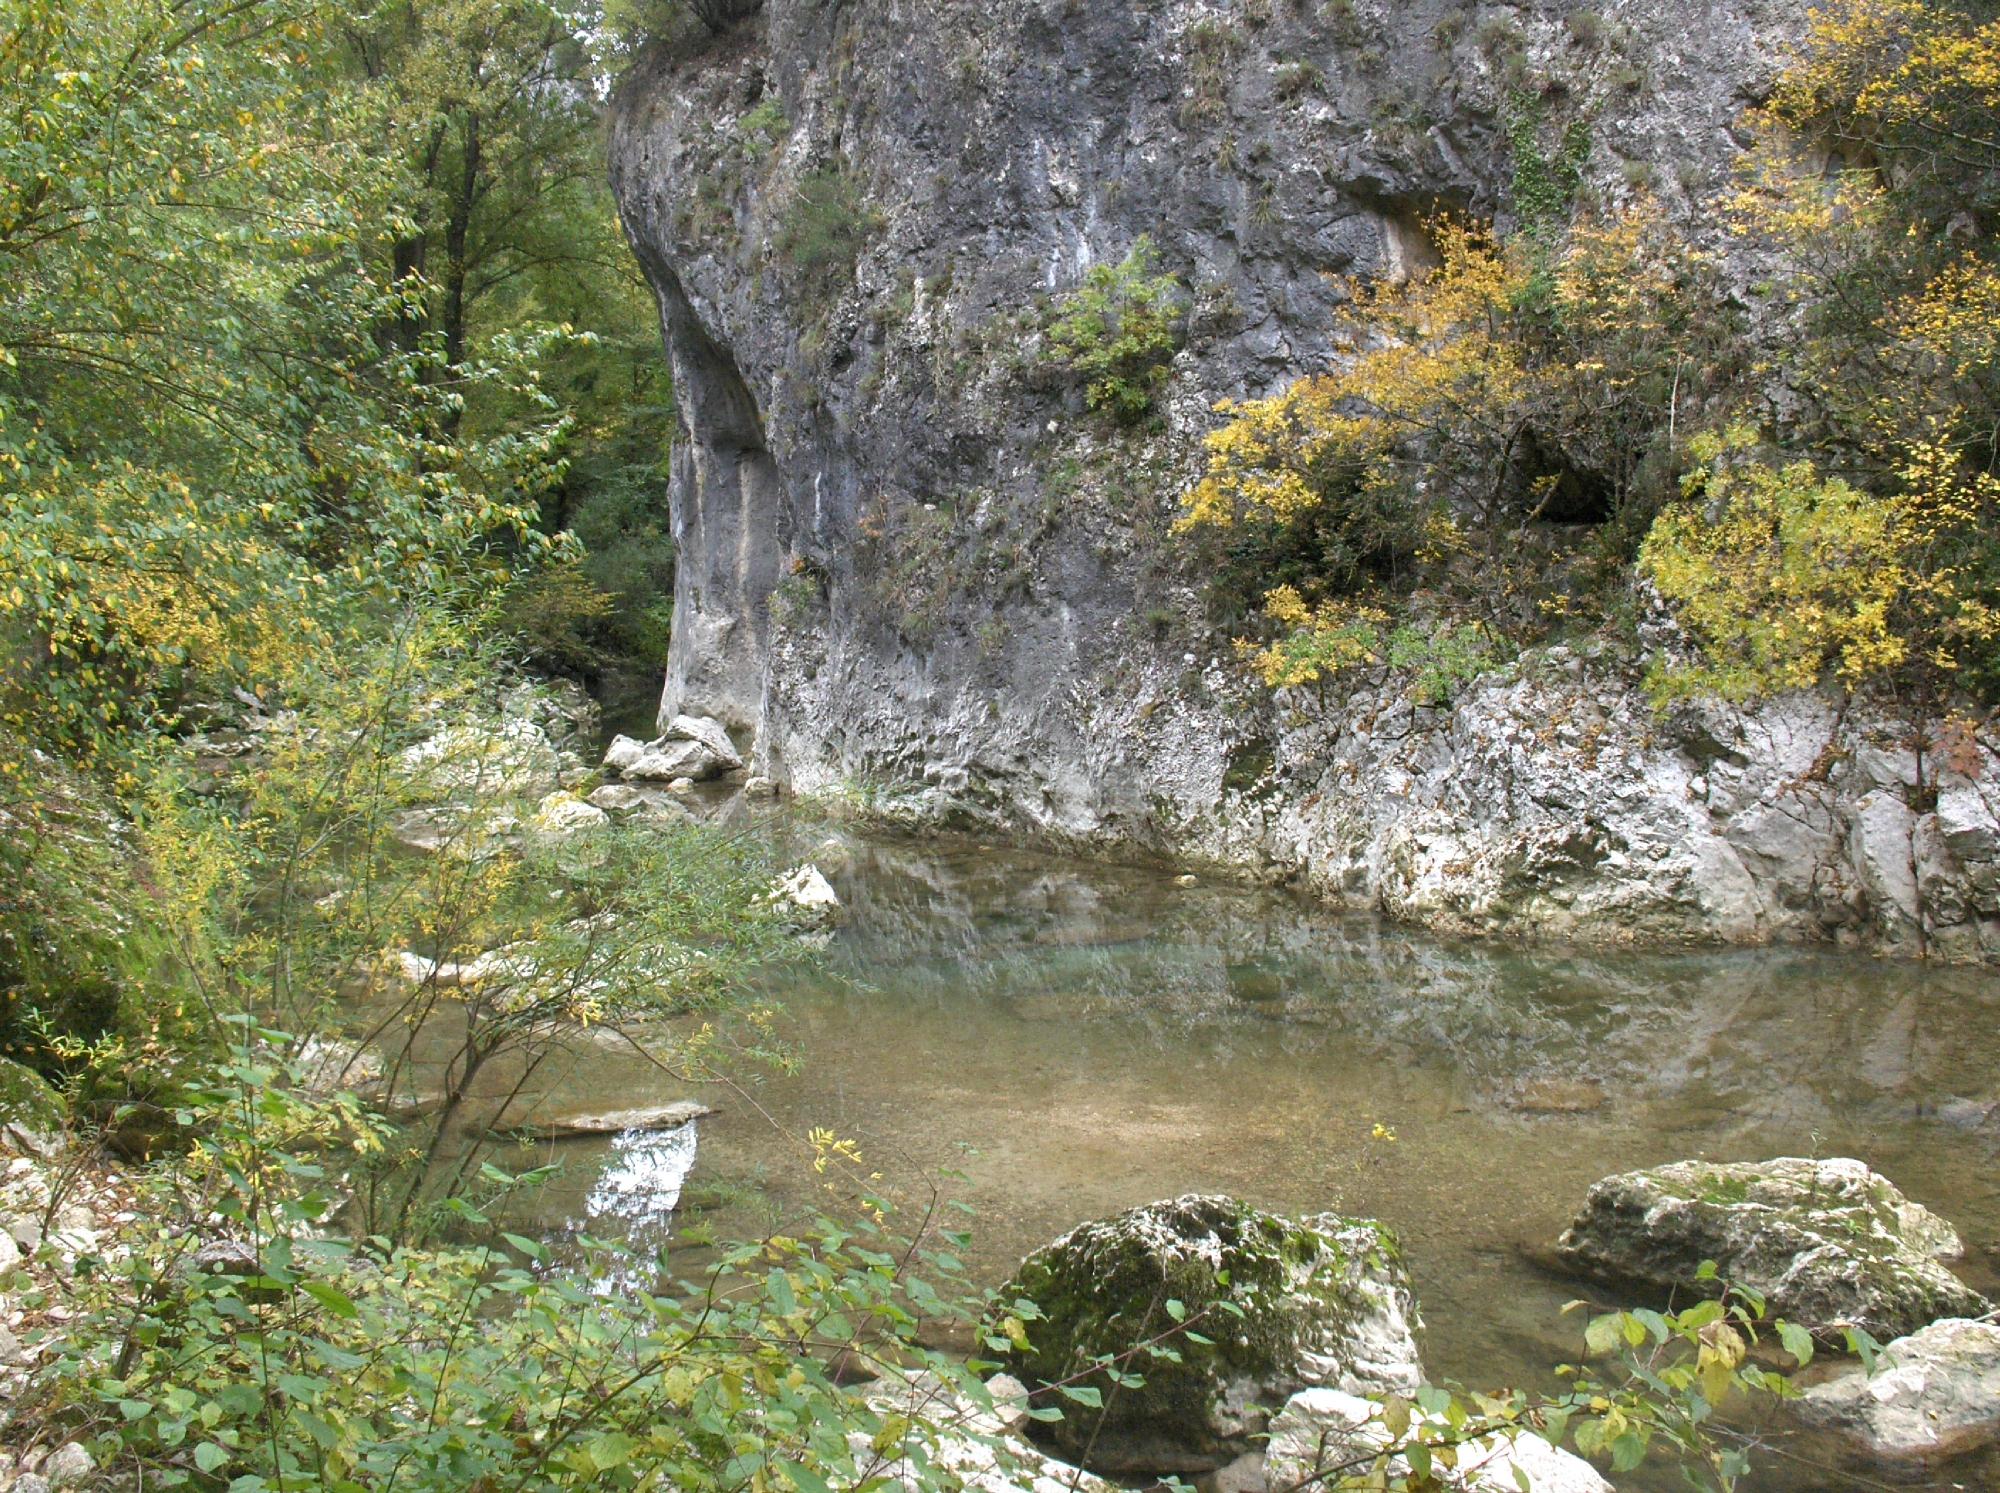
1783, 576
1318, 642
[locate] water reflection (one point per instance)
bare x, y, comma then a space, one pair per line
635, 1194
1073, 1039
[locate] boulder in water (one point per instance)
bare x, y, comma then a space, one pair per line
1933, 1394
1829, 1243
691, 747
668, 1116
809, 897
1286, 1304
566, 814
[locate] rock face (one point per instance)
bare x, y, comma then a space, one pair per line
1933, 1393
1323, 1301
912, 563
32, 1114
1322, 1429
1829, 1243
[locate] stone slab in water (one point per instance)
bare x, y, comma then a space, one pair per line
614, 1121
1830, 1243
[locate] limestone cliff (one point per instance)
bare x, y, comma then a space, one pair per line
912, 566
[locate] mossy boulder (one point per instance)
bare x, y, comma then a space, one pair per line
1829, 1243
32, 1114
1285, 1304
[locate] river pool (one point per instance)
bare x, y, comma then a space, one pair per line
1072, 1038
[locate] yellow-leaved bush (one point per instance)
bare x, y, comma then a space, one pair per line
1783, 576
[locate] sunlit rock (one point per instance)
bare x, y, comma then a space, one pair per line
1323, 1429
1933, 1394
1829, 1243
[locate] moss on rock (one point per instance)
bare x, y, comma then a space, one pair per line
1829, 1242
1282, 1303
32, 1113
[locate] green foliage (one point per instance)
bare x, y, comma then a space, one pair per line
337, 1363
1545, 183
763, 128
1117, 332
198, 423
1655, 1387
493, 133
1784, 578
1866, 556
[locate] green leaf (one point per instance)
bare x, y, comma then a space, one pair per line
330, 1297
613, 1449
1797, 1341
208, 1456
1084, 1394
805, 1479
1602, 1334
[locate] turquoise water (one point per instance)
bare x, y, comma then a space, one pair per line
1074, 1038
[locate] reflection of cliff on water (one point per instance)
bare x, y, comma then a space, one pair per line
1795, 1037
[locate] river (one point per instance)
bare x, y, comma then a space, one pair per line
1071, 1038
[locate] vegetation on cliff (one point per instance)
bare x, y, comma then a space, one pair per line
1592, 372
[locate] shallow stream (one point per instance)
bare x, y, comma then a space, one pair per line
1074, 1038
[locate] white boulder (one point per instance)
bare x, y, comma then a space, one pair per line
810, 896
1321, 1429
1933, 1394
566, 814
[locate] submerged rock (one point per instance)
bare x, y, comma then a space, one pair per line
669, 1116
1321, 1429
810, 897
1323, 1301
1933, 1394
1829, 1243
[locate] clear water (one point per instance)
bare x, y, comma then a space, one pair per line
1074, 1038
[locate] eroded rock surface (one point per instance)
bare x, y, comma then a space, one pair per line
1933, 1393
1829, 1243
1322, 1300
1323, 1429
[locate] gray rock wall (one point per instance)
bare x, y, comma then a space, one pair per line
915, 569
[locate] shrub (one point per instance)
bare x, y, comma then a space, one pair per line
1118, 332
